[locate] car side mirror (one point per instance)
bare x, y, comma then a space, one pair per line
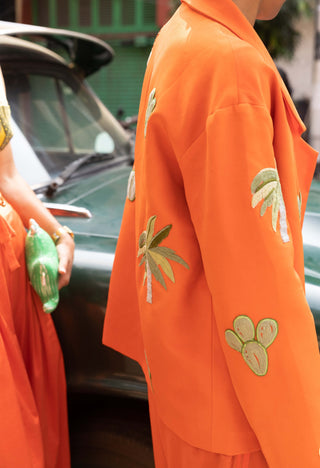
104, 144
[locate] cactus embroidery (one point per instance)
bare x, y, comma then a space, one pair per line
253, 343
266, 186
131, 188
154, 256
299, 204
150, 108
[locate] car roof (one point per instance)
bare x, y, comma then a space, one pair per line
82, 51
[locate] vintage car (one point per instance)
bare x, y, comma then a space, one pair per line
77, 157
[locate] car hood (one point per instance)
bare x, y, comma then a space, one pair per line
85, 52
103, 195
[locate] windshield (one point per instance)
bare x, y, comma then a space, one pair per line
61, 122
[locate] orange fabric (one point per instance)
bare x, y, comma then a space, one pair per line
172, 452
33, 429
214, 113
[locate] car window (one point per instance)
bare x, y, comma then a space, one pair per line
60, 122
26, 160
46, 117
83, 126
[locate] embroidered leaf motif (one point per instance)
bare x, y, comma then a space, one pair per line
266, 186
131, 188
253, 344
163, 262
154, 256
171, 255
160, 236
155, 269
150, 108
150, 228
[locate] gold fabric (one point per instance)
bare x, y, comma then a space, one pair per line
5, 126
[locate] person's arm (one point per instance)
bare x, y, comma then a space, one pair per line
18, 193
266, 328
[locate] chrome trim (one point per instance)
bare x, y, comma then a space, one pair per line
60, 209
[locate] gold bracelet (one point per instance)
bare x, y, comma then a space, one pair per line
59, 232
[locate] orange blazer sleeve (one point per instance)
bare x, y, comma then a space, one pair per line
265, 326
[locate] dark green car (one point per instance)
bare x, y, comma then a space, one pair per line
78, 157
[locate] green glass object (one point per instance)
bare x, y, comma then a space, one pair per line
42, 265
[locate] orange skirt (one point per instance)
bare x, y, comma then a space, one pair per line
172, 452
34, 428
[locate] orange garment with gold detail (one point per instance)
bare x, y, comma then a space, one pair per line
34, 427
207, 290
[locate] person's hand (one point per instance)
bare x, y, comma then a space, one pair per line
65, 248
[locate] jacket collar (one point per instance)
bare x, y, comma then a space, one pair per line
228, 14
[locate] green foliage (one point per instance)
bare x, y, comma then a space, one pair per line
280, 35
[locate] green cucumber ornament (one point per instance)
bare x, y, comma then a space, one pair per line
42, 265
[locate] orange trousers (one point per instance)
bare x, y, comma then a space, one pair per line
172, 452
34, 428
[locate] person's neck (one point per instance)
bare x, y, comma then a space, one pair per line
249, 8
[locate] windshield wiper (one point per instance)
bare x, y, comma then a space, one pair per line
71, 168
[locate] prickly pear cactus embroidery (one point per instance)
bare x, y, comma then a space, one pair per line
150, 108
266, 186
251, 343
131, 188
154, 256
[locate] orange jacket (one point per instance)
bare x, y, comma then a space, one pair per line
207, 291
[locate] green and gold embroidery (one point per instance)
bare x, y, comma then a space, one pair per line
266, 186
299, 204
131, 188
150, 108
253, 343
5, 126
154, 256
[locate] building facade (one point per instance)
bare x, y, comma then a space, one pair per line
129, 26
